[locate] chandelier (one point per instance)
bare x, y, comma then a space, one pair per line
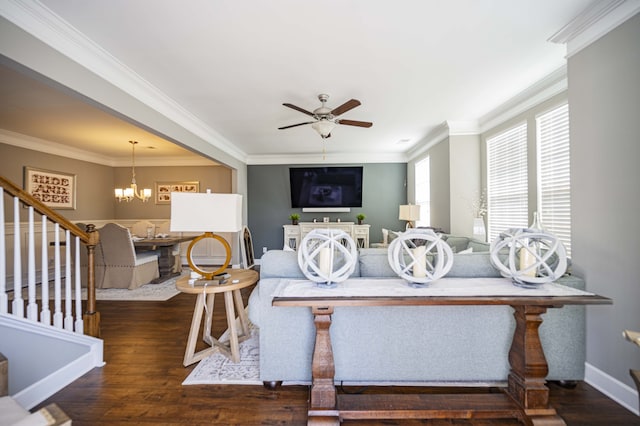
130, 193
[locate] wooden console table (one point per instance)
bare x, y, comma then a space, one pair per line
525, 398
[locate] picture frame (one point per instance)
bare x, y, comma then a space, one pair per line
56, 190
164, 190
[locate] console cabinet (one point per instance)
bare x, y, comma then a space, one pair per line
294, 233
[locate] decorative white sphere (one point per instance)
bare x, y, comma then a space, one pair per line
529, 256
420, 256
327, 256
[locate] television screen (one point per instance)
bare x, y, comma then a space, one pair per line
326, 186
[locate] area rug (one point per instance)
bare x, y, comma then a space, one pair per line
148, 292
217, 369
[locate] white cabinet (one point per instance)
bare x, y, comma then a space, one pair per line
294, 233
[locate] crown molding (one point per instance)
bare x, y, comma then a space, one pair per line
599, 18
41, 145
39, 21
329, 157
550, 86
463, 128
433, 138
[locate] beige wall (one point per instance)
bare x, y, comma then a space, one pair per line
465, 176
92, 180
95, 183
604, 106
216, 178
440, 184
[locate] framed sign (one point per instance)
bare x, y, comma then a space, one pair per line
56, 190
164, 190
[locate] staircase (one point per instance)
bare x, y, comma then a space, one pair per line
13, 413
50, 336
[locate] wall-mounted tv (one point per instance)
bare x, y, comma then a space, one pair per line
326, 186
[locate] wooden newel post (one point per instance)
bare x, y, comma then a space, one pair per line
91, 317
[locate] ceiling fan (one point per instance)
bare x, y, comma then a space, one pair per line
326, 118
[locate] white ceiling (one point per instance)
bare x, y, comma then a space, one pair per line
231, 64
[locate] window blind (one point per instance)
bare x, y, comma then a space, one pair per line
507, 191
554, 178
423, 191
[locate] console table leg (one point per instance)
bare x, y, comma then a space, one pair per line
323, 403
526, 382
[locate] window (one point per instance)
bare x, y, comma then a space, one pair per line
554, 183
507, 191
423, 192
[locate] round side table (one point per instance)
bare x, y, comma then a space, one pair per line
206, 291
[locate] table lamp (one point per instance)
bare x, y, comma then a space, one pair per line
207, 213
410, 213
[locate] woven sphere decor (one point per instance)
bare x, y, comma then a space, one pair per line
529, 256
420, 256
327, 256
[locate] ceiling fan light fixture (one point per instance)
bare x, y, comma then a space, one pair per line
323, 127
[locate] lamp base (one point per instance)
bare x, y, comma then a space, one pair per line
207, 274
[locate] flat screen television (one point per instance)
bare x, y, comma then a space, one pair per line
326, 186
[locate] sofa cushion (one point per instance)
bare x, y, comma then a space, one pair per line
280, 264
374, 262
457, 244
284, 264
467, 265
477, 245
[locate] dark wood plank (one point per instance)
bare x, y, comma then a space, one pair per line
142, 382
427, 406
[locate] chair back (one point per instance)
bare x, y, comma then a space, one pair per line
139, 229
118, 255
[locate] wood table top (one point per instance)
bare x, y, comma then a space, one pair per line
245, 278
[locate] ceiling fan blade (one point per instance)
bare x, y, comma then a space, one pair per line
345, 107
355, 123
295, 125
304, 111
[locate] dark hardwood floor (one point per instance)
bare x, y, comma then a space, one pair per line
141, 382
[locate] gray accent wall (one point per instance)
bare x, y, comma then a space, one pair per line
269, 202
604, 102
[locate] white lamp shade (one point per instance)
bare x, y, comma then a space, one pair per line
409, 212
198, 212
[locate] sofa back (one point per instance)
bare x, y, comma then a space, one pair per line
374, 263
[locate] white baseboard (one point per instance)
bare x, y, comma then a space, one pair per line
80, 361
621, 393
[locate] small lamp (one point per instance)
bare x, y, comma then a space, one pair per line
410, 213
207, 213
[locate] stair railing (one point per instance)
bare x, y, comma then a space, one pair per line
87, 322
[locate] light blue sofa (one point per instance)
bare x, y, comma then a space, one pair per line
436, 344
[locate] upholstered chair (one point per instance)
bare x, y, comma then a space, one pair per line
123, 267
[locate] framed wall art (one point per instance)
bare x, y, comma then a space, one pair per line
56, 190
164, 190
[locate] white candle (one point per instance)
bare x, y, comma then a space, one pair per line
419, 267
526, 260
324, 262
